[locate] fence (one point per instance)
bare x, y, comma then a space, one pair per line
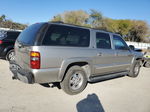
139, 45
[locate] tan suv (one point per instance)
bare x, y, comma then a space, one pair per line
71, 55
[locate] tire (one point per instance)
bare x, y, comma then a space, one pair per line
10, 56
147, 64
75, 81
135, 69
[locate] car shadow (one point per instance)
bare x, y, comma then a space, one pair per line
90, 104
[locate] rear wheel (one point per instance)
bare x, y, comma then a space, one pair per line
10, 55
75, 80
134, 72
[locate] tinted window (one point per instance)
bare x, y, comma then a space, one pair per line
103, 41
58, 35
119, 43
12, 35
3, 34
28, 35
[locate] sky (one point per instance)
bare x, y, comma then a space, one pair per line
33, 11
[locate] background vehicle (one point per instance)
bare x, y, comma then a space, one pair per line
71, 55
146, 62
146, 55
7, 41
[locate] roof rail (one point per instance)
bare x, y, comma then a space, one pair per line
84, 27
57, 22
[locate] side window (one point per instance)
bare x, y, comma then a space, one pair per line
12, 35
58, 35
103, 41
119, 43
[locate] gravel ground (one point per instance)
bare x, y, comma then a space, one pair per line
123, 94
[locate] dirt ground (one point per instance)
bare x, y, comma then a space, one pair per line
123, 94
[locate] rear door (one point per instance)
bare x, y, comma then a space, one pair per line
24, 44
104, 60
123, 54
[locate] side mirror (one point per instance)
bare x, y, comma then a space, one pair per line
132, 47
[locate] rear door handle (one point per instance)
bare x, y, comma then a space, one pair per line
99, 54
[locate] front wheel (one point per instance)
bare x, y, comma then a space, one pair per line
135, 69
10, 55
75, 80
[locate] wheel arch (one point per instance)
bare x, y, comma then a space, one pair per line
139, 58
7, 49
85, 64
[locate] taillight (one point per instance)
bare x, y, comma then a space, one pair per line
1, 41
35, 60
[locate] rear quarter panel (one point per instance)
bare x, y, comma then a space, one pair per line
53, 57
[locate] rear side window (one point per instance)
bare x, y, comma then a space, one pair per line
28, 36
12, 35
103, 40
58, 35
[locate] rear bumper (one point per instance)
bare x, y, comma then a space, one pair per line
21, 75
35, 75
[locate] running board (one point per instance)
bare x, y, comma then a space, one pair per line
106, 76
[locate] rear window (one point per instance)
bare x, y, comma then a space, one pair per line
12, 35
58, 35
28, 36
